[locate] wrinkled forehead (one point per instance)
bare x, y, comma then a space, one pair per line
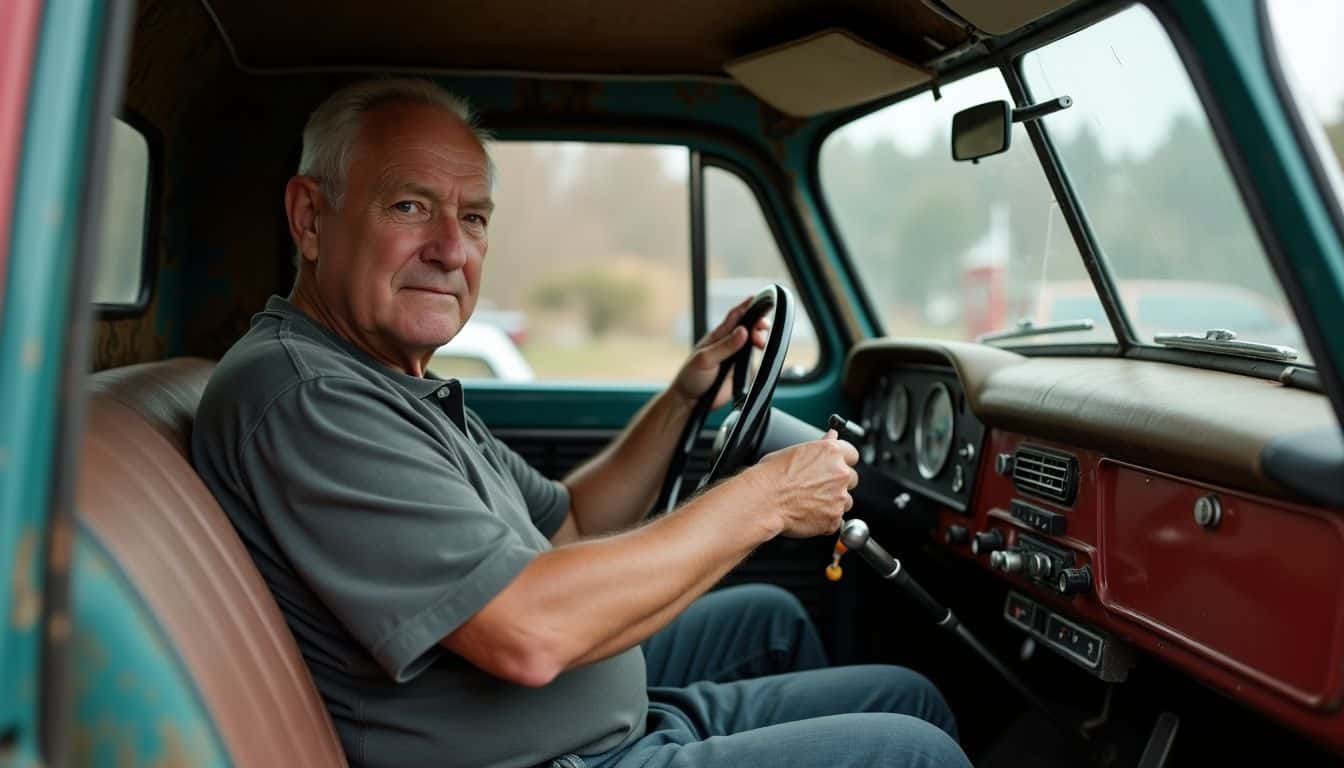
421, 144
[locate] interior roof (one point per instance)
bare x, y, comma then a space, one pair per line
598, 37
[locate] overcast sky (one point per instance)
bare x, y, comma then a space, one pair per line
1126, 81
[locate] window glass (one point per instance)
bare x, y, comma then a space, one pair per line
947, 249
1154, 186
588, 268
743, 256
121, 251
1306, 38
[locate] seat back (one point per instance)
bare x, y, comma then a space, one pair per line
139, 497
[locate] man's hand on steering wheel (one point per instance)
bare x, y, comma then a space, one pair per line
698, 372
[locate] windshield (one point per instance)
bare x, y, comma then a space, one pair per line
1151, 181
954, 250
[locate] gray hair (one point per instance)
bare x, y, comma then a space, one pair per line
329, 136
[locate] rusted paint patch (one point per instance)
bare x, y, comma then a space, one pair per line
32, 354
59, 544
697, 94
179, 752
58, 628
558, 96
26, 597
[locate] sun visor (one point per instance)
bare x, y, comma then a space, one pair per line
823, 72
999, 18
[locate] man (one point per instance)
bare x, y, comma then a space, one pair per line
455, 607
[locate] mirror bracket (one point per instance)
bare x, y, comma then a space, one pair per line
1037, 111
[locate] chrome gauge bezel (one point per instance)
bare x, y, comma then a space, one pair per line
890, 409
928, 464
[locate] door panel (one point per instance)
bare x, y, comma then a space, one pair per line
556, 452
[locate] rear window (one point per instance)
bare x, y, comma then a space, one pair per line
119, 280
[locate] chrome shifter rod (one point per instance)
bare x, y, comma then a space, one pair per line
855, 537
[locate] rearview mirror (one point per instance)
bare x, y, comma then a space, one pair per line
983, 130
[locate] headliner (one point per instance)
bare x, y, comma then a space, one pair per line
687, 38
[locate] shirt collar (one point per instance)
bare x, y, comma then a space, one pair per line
447, 392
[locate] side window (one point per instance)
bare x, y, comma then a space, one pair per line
587, 276
119, 282
742, 256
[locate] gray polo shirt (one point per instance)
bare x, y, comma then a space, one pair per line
383, 514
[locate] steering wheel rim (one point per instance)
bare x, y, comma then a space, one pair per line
740, 434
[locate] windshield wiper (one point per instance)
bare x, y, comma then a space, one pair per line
1026, 327
1224, 342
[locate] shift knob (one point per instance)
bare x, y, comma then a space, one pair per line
854, 534
855, 537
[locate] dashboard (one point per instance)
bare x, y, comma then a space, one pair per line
920, 433
1128, 507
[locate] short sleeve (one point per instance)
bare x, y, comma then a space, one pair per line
547, 500
378, 518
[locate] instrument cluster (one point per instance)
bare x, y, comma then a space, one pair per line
920, 432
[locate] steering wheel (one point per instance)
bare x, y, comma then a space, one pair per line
739, 437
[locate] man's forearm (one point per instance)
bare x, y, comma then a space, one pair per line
595, 598
645, 629
614, 490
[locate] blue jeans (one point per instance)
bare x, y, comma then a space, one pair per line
740, 680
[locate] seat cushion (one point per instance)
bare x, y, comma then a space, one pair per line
140, 498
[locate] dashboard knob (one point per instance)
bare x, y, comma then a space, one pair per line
1075, 581
1003, 464
1039, 565
956, 535
1006, 560
1208, 511
987, 541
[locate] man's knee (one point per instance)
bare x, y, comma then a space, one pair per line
769, 598
910, 742
777, 601
915, 694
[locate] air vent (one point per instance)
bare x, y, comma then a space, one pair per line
1051, 476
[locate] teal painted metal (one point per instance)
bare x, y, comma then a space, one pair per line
133, 702
1227, 35
33, 333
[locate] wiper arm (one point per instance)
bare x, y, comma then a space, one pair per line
1224, 342
1026, 327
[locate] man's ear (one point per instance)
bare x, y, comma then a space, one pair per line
302, 196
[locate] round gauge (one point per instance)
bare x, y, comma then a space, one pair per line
868, 420
897, 413
868, 453
933, 432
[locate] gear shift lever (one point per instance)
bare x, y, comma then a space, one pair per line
854, 537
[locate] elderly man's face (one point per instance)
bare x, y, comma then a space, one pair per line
400, 264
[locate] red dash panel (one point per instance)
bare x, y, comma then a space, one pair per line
1261, 593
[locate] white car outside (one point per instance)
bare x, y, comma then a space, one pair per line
480, 345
